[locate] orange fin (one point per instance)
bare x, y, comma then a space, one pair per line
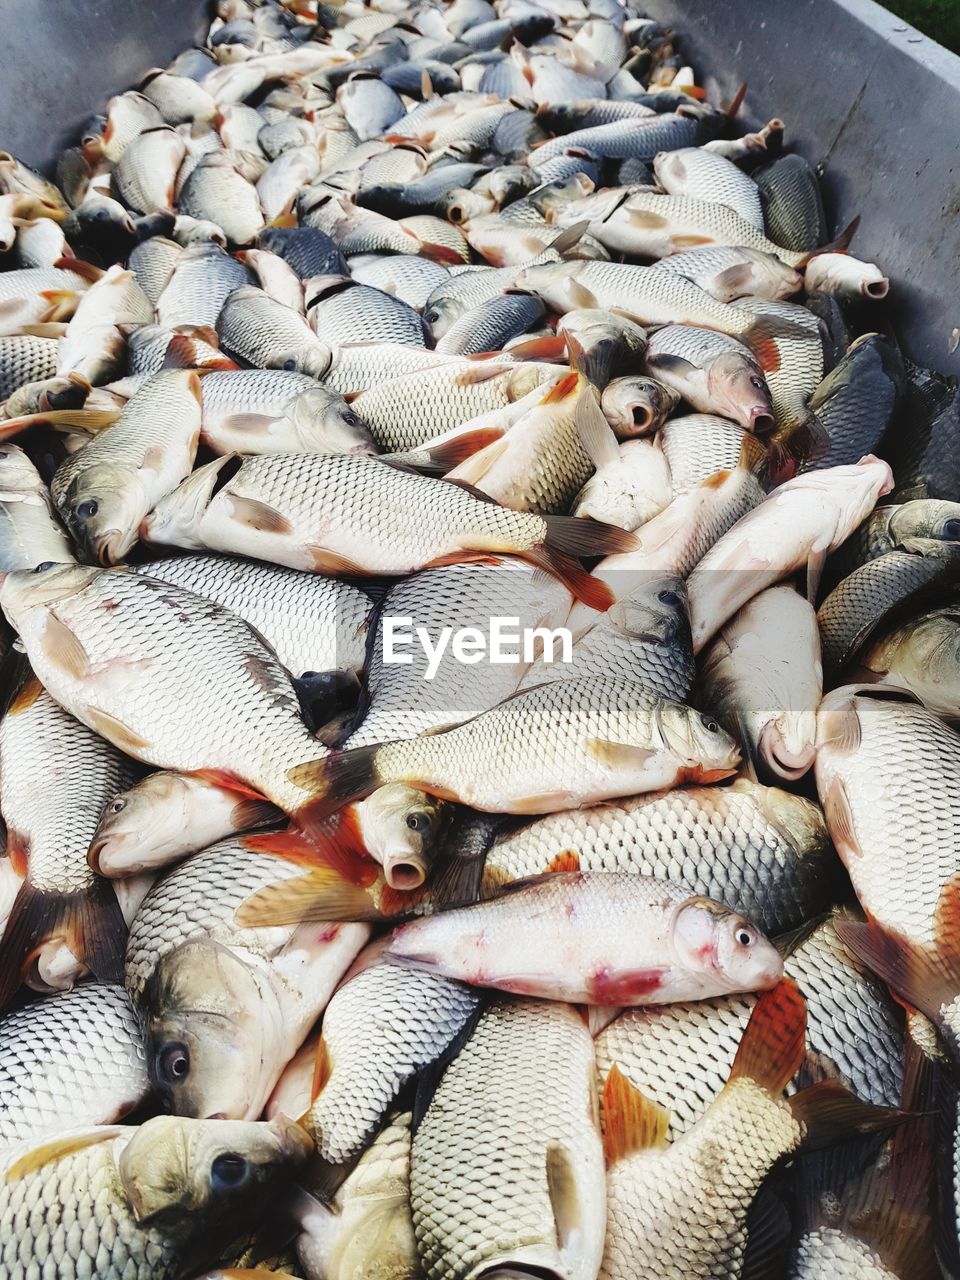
58, 1148
565, 861
337, 566
548, 347
322, 1069
335, 843
838, 245
321, 896
224, 780
26, 697
452, 452
771, 1050
631, 1122
567, 386
63, 649
572, 574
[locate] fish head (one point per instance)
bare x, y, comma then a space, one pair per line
769, 277
441, 314
176, 518
401, 828
788, 742
924, 518
700, 741
314, 360
103, 507
714, 940
739, 391
325, 423
636, 406
142, 827
29, 590
212, 1033
845, 277
655, 612
552, 281
204, 1178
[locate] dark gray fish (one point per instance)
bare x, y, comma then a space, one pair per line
309, 251
490, 326
923, 447
792, 204
857, 401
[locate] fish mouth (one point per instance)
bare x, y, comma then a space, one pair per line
761, 421
876, 289
642, 416
404, 873
786, 764
109, 549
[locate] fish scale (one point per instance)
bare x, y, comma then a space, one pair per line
520, 1088
74, 1059
363, 314
25, 358
381, 1028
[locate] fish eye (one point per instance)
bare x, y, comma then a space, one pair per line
289, 365
87, 509
670, 599
173, 1064
758, 383
417, 821
118, 806
710, 724
47, 564
431, 316
744, 936
951, 530
228, 1171
349, 417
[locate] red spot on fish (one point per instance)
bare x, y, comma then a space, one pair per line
18, 847
623, 986
328, 934
108, 605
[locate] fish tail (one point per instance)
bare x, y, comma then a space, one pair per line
335, 844
333, 781
90, 923
800, 442
771, 1049
581, 584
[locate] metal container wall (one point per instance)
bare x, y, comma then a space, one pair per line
877, 105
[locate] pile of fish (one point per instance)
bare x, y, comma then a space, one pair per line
333, 946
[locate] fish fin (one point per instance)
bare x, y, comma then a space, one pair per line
42, 329
583, 538
840, 823
772, 1046
336, 845
753, 455
596, 434
560, 390
334, 780
581, 297
252, 422
801, 442
115, 731
321, 896
472, 470
426, 85
324, 561
479, 373
829, 1112
926, 977
646, 219
462, 557
551, 347
57, 1148
690, 241
283, 220
257, 515
181, 353
564, 861
564, 1198
840, 727
665, 362
631, 1121
90, 922
839, 244
80, 268
734, 278
581, 584
29, 691
322, 1069
815, 562
229, 781
453, 452
568, 238
248, 814
768, 1229
63, 649
617, 754
736, 102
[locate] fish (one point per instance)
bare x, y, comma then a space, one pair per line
792, 204
846, 277
70, 1061
573, 936
697, 445
197, 284
658, 1195
713, 373
876, 594
382, 1027
732, 272
698, 172
923, 458
785, 532
369, 1226
341, 310
164, 1198
266, 334
889, 527
637, 405
169, 649
105, 489
599, 345
267, 507
225, 1008
762, 677
146, 173
614, 738
55, 777
93, 345
30, 533
309, 251
516, 1109
217, 191
921, 656
761, 851
26, 360
632, 481
492, 324
854, 1035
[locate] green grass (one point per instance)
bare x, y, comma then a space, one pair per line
939, 19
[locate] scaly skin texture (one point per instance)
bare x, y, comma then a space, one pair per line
380, 1028
682, 1212
481, 1173
30, 533
760, 850
73, 1060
